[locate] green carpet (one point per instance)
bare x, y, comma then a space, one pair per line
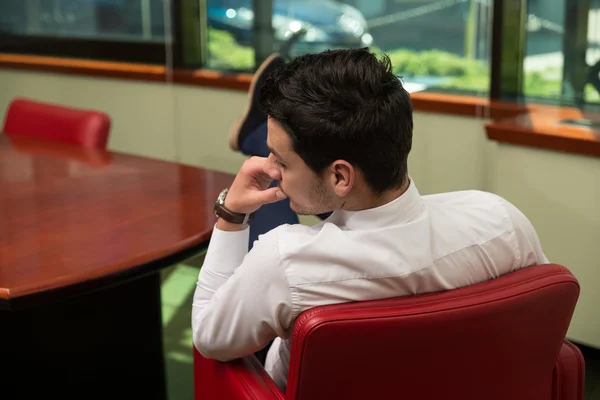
178, 284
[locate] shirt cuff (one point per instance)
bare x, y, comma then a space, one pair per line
226, 250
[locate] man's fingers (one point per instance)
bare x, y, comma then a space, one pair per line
254, 164
268, 196
253, 168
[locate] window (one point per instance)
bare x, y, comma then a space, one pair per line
555, 57
561, 52
230, 35
121, 30
543, 51
433, 44
102, 19
440, 45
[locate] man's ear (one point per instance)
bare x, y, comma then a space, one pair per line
342, 176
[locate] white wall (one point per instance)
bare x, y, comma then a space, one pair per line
559, 192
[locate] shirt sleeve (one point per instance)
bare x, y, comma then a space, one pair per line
242, 299
528, 242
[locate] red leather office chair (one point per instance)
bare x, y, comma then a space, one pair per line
498, 340
86, 128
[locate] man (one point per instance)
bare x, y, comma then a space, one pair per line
340, 131
249, 136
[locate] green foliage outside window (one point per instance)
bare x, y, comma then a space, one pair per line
462, 74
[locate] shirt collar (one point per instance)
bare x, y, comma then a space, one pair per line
403, 209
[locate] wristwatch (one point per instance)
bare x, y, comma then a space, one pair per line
226, 214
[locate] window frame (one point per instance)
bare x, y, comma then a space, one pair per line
507, 64
508, 50
101, 49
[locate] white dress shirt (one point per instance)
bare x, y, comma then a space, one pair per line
414, 244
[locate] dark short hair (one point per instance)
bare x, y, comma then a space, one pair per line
344, 104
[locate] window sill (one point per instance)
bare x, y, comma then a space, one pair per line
130, 71
526, 125
541, 128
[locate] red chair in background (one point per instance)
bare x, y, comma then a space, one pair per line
30, 118
502, 339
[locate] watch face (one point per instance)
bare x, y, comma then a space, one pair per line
219, 203
222, 195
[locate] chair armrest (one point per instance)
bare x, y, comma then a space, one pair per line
240, 379
569, 373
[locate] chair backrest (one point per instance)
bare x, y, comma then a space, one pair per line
493, 340
85, 128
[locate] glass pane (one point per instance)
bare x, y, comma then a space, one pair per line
434, 44
562, 58
128, 20
230, 36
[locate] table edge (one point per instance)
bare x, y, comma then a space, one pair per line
22, 299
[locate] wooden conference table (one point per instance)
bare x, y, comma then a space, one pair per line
83, 236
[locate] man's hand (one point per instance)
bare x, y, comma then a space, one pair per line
250, 189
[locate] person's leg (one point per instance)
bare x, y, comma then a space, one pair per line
269, 217
253, 122
255, 141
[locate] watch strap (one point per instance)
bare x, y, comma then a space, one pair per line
232, 217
